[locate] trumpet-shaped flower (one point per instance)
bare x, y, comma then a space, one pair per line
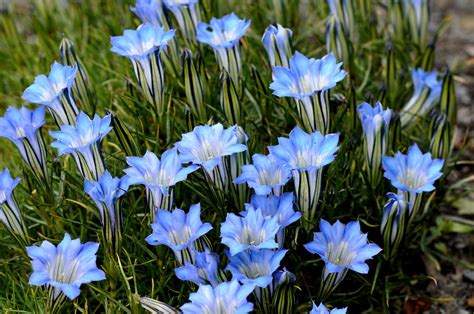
83, 142
54, 92
149, 11
414, 172
253, 232
277, 41
321, 309
227, 297
222, 33
306, 76
65, 267
266, 175
187, 15
393, 223
342, 247
255, 267
203, 271
158, 176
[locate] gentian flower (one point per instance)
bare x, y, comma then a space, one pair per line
223, 35
277, 41
54, 92
179, 231
418, 18
393, 223
321, 309
107, 193
276, 206
255, 267
83, 142
143, 48
23, 128
343, 11
159, 177
341, 247
283, 288
207, 146
227, 297
306, 154
150, 11
375, 123
427, 91
204, 270
187, 14
308, 82
413, 174
10, 215
267, 175
65, 267
252, 232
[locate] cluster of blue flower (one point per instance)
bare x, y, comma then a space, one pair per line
256, 236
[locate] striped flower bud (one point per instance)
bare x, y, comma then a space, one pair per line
277, 41
393, 225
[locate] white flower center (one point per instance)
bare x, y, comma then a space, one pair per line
340, 254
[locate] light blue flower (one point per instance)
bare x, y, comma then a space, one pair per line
203, 271
306, 76
150, 11
342, 247
222, 33
393, 224
65, 267
23, 128
277, 41
83, 142
159, 177
266, 175
252, 232
414, 172
187, 14
427, 91
255, 267
321, 309
227, 297
54, 92
178, 230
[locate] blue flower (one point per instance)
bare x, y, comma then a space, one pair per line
47, 91
321, 309
303, 151
414, 172
158, 176
10, 215
83, 142
149, 11
19, 125
342, 247
203, 271
372, 118
186, 14
65, 267
266, 175
306, 76
393, 224
227, 297
222, 33
178, 230
278, 44
255, 267
254, 231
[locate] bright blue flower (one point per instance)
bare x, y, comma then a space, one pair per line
303, 151
182, 8
204, 270
227, 297
170, 4
222, 33
178, 230
24, 124
8, 205
65, 267
414, 172
254, 231
158, 176
47, 91
149, 11
277, 41
206, 145
306, 76
255, 267
372, 118
342, 247
321, 309
83, 142
266, 175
